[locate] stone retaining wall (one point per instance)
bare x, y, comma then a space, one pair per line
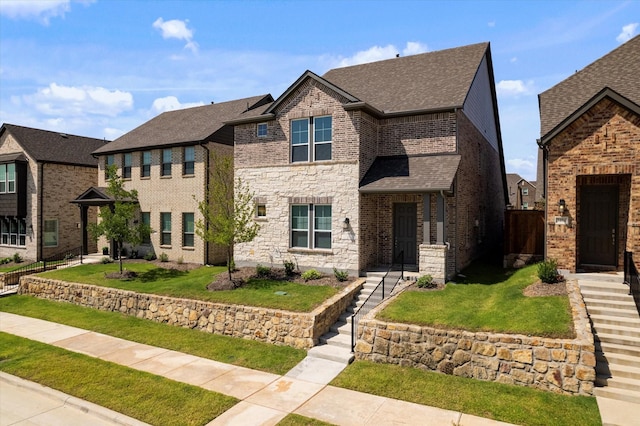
564, 366
297, 329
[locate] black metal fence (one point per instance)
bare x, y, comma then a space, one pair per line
59, 260
631, 278
383, 290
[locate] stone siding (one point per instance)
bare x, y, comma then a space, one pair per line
433, 261
297, 329
565, 366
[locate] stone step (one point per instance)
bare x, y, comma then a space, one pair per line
611, 287
345, 317
618, 371
342, 328
610, 348
375, 299
619, 309
618, 394
618, 383
332, 353
631, 341
606, 295
601, 277
617, 359
336, 339
598, 319
618, 330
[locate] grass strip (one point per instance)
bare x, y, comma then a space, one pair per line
489, 299
231, 350
192, 284
507, 403
298, 420
152, 399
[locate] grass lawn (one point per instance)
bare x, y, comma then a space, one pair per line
489, 299
152, 399
241, 352
507, 403
193, 285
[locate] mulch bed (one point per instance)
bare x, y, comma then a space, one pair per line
242, 275
539, 289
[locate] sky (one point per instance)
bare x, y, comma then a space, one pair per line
100, 68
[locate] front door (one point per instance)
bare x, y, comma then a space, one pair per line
405, 231
598, 225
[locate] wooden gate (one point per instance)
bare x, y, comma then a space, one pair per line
524, 235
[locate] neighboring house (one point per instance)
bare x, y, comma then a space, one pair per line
590, 127
166, 160
40, 171
522, 193
366, 162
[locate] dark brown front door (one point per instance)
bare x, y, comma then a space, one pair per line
598, 225
405, 231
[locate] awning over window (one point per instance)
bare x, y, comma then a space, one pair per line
411, 174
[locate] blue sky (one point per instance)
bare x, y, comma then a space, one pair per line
101, 68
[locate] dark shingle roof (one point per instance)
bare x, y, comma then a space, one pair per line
411, 174
428, 81
54, 147
617, 70
197, 124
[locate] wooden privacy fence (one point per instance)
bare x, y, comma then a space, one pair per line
523, 236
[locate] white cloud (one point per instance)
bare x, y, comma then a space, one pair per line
177, 29
40, 10
58, 100
628, 32
524, 167
378, 53
514, 59
491, 24
171, 103
514, 88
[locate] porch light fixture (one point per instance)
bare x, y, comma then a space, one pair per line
345, 224
562, 206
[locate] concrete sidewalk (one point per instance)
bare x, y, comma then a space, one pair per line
265, 398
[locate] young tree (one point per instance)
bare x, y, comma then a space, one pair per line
227, 211
118, 220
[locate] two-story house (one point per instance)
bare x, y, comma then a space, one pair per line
590, 141
167, 160
522, 193
354, 168
39, 173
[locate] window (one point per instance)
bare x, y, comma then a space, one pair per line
261, 210
165, 229
525, 206
8, 177
322, 133
525, 191
3, 179
262, 130
188, 228
22, 232
51, 232
145, 217
126, 165
166, 162
4, 231
109, 160
188, 160
145, 162
319, 227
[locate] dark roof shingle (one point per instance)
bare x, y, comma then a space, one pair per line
55, 147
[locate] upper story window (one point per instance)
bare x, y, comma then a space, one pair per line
126, 165
262, 130
166, 162
525, 191
109, 160
189, 160
145, 164
311, 139
7, 178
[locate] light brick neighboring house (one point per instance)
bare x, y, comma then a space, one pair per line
590, 127
522, 193
40, 171
354, 167
167, 161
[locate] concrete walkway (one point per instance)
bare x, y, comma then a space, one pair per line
265, 398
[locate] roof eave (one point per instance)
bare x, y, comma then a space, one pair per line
255, 119
365, 190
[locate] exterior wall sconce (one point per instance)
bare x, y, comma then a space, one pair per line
562, 206
345, 224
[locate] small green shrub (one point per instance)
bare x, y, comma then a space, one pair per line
150, 255
262, 271
426, 281
164, 257
5, 260
17, 258
340, 275
548, 271
180, 260
232, 265
289, 267
105, 260
311, 274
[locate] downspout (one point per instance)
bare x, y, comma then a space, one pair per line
40, 247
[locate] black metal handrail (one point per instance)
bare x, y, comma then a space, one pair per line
58, 260
631, 278
377, 295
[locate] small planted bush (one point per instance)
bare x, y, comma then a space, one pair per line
164, 257
340, 275
426, 281
105, 260
149, 256
548, 271
262, 271
311, 274
289, 267
17, 258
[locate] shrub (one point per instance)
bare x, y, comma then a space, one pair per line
263, 271
17, 258
311, 274
180, 260
426, 281
105, 260
340, 275
150, 255
289, 267
163, 257
548, 271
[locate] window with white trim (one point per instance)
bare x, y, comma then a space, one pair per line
13, 232
525, 191
311, 139
262, 130
50, 232
7, 178
311, 226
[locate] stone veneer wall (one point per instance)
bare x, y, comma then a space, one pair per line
433, 261
564, 366
297, 329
